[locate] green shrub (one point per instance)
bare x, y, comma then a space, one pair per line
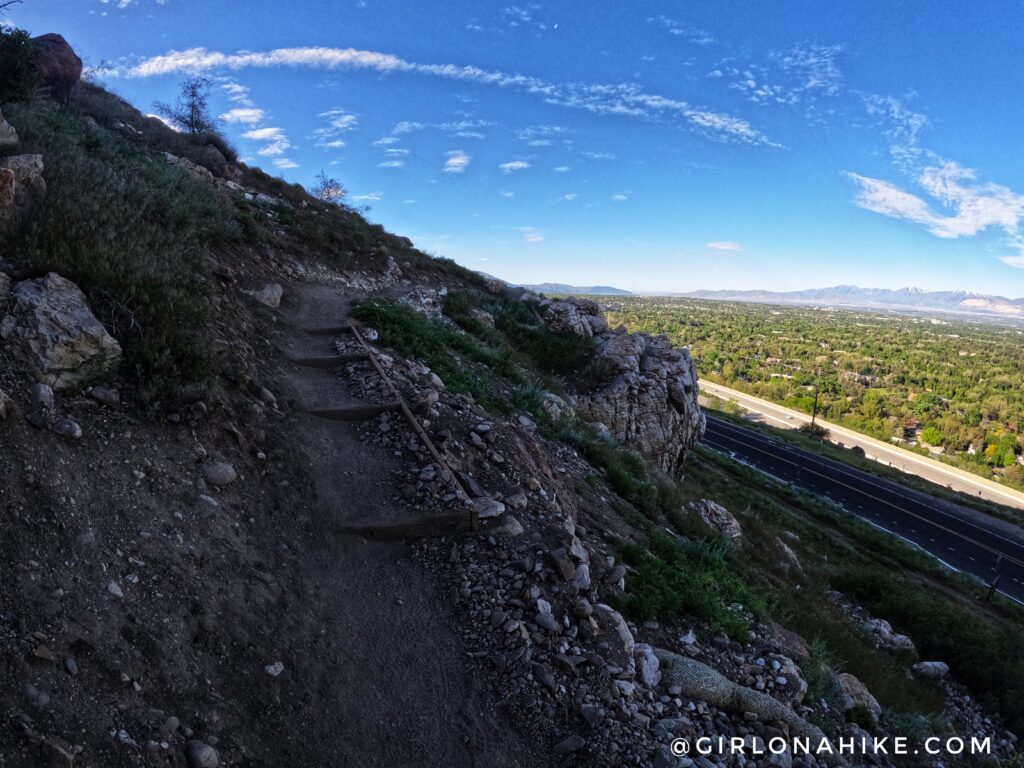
987, 658
697, 577
134, 234
17, 74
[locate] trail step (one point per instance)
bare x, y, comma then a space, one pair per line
329, 361
332, 330
360, 412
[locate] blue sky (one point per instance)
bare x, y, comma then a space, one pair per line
647, 145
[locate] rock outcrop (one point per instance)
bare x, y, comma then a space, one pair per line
650, 403
58, 66
21, 187
49, 325
8, 136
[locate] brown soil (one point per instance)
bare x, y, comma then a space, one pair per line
215, 592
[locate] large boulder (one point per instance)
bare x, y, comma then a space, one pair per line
56, 64
8, 136
855, 695
718, 517
49, 325
930, 670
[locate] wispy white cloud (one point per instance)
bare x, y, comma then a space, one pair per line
367, 198
569, 197
598, 155
615, 99
275, 141
562, 169
457, 162
237, 93
392, 164
724, 246
464, 128
507, 194
543, 135
514, 165
974, 207
339, 122
531, 235
524, 16
386, 141
682, 30
284, 163
620, 197
801, 74
814, 66
244, 115
901, 125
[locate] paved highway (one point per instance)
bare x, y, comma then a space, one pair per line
962, 538
886, 453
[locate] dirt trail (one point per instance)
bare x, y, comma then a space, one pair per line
397, 693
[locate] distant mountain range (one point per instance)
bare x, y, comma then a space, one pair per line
577, 290
961, 302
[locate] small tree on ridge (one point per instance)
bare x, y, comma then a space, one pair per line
191, 113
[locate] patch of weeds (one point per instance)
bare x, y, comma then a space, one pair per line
134, 233
695, 577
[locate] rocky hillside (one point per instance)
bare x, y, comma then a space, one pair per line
226, 542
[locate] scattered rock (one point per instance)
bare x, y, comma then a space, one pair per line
274, 669
42, 397
218, 473
719, 518
115, 589
51, 328
68, 427
572, 744
269, 295
884, 636
930, 670
201, 755
855, 694
563, 563
647, 665
506, 527
109, 396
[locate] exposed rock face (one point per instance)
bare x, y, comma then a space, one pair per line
8, 136
51, 327
719, 518
188, 166
57, 64
21, 186
651, 402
